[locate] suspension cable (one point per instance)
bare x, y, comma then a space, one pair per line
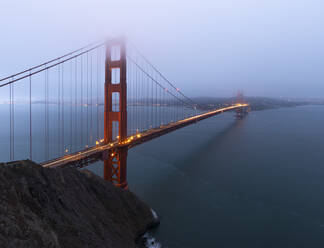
156, 81
172, 85
53, 60
50, 66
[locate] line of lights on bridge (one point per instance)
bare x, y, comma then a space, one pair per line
131, 138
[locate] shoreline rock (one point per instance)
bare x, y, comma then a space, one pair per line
67, 208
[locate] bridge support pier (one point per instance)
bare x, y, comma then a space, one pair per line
115, 168
241, 112
115, 119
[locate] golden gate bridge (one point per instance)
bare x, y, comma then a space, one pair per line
94, 104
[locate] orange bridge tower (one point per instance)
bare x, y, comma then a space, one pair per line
115, 119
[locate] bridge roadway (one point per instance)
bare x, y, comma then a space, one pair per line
101, 151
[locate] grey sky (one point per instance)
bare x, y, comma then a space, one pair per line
208, 48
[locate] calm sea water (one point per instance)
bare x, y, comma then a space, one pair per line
256, 182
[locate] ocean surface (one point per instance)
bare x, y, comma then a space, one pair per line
256, 182
228, 183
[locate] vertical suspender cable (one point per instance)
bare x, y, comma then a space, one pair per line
98, 94
87, 85
147, 106
138, 99
156, 104
133, 97
45, 119
131, 80
76, 104
59, 110
160, 101
142, 96
178, 106
81, 122
173, 107
136, 89
152, 100
162, 105
131, 84
62, 133
48, 115
10, 110
71, 108
47, 109
91, 103
30, 118
13, 121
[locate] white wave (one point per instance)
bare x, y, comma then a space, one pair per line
154, 214
151, 242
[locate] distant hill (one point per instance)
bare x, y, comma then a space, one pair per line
257, 103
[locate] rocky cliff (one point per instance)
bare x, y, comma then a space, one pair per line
65, 207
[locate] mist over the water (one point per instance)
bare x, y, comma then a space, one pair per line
208, 48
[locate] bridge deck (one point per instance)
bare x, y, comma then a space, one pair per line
99, 152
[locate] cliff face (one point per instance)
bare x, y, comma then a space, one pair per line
64, 207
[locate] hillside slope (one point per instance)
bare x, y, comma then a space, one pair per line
64, 207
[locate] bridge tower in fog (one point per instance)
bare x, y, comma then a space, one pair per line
115, 119
240, 112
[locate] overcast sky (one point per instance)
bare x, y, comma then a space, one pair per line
207, 48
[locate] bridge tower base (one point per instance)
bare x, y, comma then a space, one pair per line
115, 119
115, 168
